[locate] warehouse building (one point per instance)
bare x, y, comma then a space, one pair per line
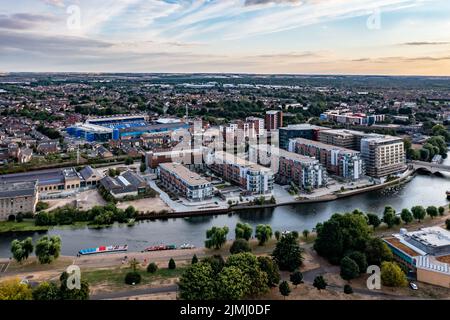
17, 197
127, 184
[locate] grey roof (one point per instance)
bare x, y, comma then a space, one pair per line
87, 172
17, 189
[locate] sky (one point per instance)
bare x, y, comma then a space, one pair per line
385, 37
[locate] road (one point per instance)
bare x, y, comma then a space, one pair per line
132, 293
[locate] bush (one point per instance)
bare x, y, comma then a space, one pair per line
152, 267
240, 245
348, 289
172, 265
194, 259
133, 278
349, 269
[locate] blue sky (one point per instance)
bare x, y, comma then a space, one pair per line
410, 37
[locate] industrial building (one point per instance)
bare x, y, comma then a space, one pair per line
179, 179
17, 197
305, 172
425, 252
56, 182
340, 161
255, 179
127, 184
120, 127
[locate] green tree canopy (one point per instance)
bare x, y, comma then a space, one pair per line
197, 282
233, 284
46, 291
392, 275
418, 212
349, 269
243, 231
287, 253
285, 289
21, 249
240, 245
267, 265
377, 251
216, 237
406, 216
48, 249
263, 233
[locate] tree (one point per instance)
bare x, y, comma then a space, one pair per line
360, 259
287, 253
130, 212
267, 265
295, 234
348, 289
46, 291
284, 288
392, 275
142, 167
216, 237
340, 234
377, 251
432, 211
243, 231
197, 282
152, 267
447, 224
129, 161
349, 269
21, 249
13, 289
406, 216
277, 235
305, 234
133, 278
240, 245
263, 233
48, 249
389, 216
418, 212
320, 283
373, 220
232, 284
73, 294
216, 262
441, 210
296, 278
194, 259
172, 265
248, 264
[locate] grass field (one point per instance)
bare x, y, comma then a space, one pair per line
115, 278
26, 225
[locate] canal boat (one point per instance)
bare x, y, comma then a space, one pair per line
104, 249
161, 247
186, 246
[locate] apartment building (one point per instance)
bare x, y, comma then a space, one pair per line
383, 155
17, 197
340, 161
305, 172
179, 179
303, 130
250, 176
273, 119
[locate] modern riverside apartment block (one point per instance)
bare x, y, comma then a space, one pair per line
383, 155
248, 175
179, 179
340, 161
305, 172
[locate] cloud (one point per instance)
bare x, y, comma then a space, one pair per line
425, 43
24, 21
56, 3
262, 2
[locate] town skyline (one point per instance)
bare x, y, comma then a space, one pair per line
389, 37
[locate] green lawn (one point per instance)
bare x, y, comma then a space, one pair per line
115, 278
26, 225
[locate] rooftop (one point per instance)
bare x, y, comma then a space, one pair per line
225, 157
325, 146
286, 154
303, 126
190, 177
17, 189
432, 236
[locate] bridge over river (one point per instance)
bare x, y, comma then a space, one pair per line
431, 167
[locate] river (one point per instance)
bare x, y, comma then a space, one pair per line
422, 190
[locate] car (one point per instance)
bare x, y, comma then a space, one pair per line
413, 286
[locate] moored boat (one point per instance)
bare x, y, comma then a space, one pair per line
104, 249
187, 246
161, 247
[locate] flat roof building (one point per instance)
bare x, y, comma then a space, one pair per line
176, 177
303, 130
